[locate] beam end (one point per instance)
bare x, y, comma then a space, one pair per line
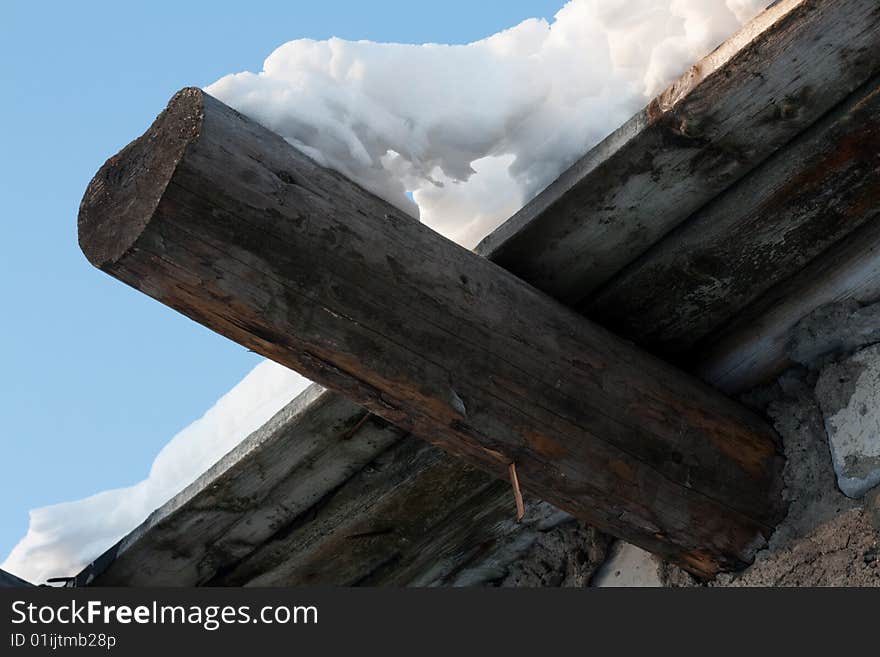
120, 200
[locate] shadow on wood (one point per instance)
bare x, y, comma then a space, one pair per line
224, 221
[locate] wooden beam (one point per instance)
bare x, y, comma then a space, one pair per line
753, 348
224, 221
737, 106
808, 196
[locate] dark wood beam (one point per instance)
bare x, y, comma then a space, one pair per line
224, 221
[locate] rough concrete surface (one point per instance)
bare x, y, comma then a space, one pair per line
830, 406
628, 565
849, 394
826, 537
840, 552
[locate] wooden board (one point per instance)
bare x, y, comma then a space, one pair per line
822, 186
748, 98
224, 221
322, 493
272, 477
754, 347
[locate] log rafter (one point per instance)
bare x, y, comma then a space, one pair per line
224, 221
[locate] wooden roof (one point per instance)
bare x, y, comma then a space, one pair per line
739, 200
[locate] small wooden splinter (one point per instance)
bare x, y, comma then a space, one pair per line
357, 427
517, 493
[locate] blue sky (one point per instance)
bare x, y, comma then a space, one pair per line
97, 377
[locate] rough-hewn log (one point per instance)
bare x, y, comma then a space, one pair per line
734, 108
224, 221
822, 186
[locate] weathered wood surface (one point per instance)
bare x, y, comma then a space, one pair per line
822, 186
744, 352
734, 108
319, 495
754, 347
273, 477
222, 220
414, 516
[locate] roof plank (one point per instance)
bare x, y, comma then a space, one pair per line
754, 347
733, 109
766, 227
8, 580
272, 477
545, 247
317, 495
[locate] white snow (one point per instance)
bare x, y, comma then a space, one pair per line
63, 538
517, 107
471, 131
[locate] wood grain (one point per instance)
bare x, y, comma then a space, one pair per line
754, 347
224, 221
324, 493
821, 187
744, 101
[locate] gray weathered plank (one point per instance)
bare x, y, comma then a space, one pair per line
754, 347
318, 495
822, 186
222, 220
749, 350
389, 525
272, 477
734, 108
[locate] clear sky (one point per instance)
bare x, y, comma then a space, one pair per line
97, 377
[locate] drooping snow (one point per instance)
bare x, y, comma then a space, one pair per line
63, 538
